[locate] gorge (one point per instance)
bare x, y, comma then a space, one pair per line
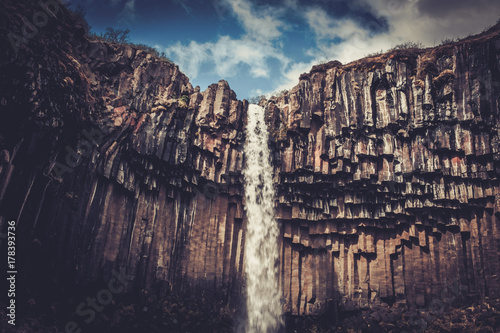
385, 173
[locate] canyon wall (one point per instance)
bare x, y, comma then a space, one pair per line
385, 168
387, 174
112, 160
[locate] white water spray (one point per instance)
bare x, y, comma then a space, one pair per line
261, 244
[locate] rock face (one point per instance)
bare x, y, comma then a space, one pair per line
386, 171
120, 164
387, 174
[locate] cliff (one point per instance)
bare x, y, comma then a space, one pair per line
386, 170
387, 174
111, 160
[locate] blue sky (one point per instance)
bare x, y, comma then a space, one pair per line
261, 47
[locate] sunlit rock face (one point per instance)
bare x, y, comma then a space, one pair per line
385, 173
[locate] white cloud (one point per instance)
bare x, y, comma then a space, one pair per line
259, 44
189, 57
406, 23
290, 76
325, 27
344, 39
257, 24
226, 56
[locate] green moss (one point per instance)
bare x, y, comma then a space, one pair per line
184, 101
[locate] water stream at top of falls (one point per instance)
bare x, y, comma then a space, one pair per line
261, 244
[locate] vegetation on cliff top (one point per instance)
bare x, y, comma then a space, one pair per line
113, 35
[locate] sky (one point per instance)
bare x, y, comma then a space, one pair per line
261, 47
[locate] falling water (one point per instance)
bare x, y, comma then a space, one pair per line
261, 245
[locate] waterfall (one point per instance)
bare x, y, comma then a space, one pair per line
261, 244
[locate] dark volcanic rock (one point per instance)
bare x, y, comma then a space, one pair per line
386, 172
387, 176
112, 160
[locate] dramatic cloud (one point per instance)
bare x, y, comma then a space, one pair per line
326, 27
227, 55
345, 38
418, 20
445, 8
275, 41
